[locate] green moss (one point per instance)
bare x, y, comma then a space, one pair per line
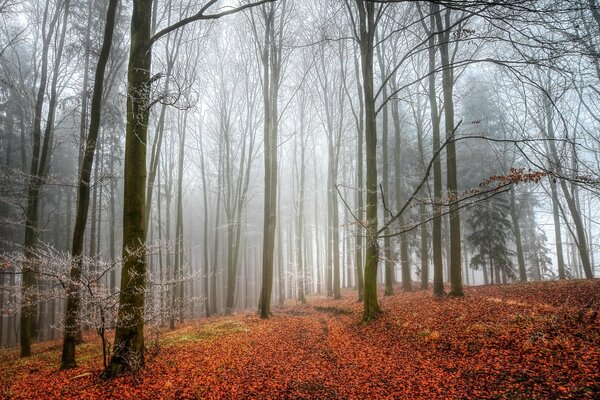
334, 310
207, 332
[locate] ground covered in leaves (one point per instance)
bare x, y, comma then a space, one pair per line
525, 341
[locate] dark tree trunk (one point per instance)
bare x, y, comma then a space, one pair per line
451, 178
514, 215
83, 195
366, 14
438, 267
129, 335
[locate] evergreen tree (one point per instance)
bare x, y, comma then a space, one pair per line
490, 227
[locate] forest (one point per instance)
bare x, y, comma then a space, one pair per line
299, 199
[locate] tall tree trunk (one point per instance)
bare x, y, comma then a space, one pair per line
560, 259
179, 224
207, 305
360, 122
281, 270
366, 14
438, 266
571, 203
451, 177
301, 171
92, 247
40, 162
318, 258
112, 218
129, 335
387, 250
215, 255
83, 121
271, 62
404, 257
422, 208
83, 195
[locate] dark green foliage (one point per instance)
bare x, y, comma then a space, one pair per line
490, 227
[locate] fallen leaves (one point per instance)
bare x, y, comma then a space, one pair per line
534, 341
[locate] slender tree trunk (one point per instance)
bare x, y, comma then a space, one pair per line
179, 224
571, 202
215, 255
92, 244
387, 250
404, 257
207, 307
422, 209
40, 163
83, 195
271, 62
359, 182
83, 123
438, 267
580, 230
514, 215
451, 177
113, 219
366, 13
300, 212
281, 270
560, 259
318, 258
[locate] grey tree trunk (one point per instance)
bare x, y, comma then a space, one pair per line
40, 163
571, 203
207, 304
271, 58
387, 251
301, 177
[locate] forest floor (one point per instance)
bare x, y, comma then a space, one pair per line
521, 341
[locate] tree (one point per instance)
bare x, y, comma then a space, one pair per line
83, 195
387, 251
271, 56
129, 335
300, 172
490, 226
438, 271
41, 154
364, 25
443, 32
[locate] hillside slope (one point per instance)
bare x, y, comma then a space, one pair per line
523, 341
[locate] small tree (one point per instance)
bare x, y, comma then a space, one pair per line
491, 226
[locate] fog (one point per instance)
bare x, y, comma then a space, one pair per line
241, 170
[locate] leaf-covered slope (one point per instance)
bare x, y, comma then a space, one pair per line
538, 340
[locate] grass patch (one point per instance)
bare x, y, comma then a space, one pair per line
334, 310
206, 332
